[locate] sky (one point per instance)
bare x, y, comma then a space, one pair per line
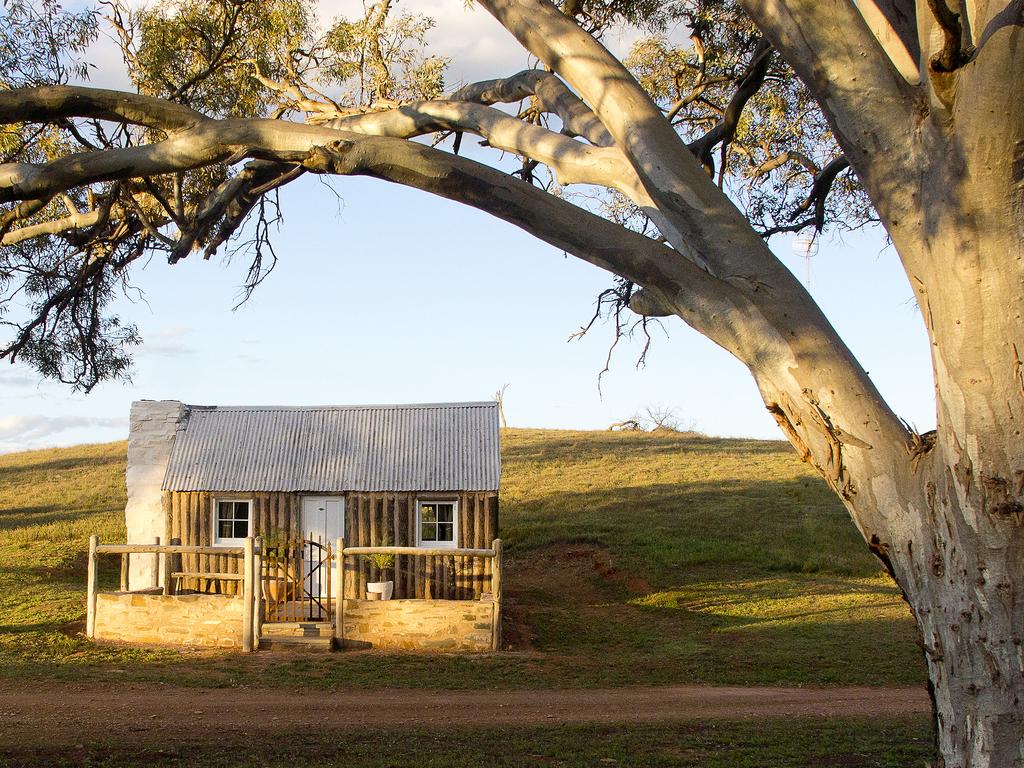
388, 295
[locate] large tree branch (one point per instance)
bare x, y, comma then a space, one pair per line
198, 141
894, 25
806, 375
554, 97
209, 141
69, 223
56, 102
572, 161
213, 141
803, 369
821, 398
697, 217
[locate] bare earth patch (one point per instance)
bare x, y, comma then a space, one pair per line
54, 715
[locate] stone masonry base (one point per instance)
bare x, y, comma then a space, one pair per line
189, 620
437, 625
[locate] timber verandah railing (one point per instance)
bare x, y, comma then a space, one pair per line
438, 564
440, 561
249, 552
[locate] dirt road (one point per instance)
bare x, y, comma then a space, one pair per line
54, 714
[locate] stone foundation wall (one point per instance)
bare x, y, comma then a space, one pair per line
193, 620
435, 625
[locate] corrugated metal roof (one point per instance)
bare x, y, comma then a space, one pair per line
433, 447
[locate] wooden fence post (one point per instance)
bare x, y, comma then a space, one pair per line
155, 579
90, 605
257, 595
247, 593
177, 565
496, 589
167, 569
124, 572
339, 597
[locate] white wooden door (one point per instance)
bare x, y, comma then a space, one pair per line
323, 519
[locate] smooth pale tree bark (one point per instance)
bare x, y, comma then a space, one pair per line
957, 545
929, 116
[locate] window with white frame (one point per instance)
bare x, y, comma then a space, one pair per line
437, 523
232, 521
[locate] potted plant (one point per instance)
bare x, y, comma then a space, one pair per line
275, 572
381, 590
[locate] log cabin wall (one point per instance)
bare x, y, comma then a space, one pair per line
189, 516
370, 519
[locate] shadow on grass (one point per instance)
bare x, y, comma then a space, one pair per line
781, 743
76, 462
35, 517
794, 525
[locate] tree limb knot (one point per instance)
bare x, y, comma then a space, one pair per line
326, 158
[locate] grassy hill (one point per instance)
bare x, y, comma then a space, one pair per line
633, 559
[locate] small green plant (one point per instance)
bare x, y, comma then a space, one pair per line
382, 560
275, 544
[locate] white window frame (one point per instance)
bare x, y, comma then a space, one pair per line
454, 543
217, 540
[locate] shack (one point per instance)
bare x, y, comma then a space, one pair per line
410, 492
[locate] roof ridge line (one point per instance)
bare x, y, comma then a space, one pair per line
366, 407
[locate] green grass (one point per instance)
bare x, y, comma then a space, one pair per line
666, 503
632, 559
793, 743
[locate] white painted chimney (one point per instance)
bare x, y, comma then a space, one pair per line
152, 428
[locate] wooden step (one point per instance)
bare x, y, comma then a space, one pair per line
298, 629
297, 642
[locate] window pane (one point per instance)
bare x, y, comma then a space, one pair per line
445, 532
232, 519
428, 514
428, 532
445, 512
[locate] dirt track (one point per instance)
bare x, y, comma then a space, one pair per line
55, 714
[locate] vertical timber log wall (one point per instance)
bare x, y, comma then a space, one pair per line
370, 519
191, 521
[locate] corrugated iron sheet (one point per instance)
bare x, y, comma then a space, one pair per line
439, 447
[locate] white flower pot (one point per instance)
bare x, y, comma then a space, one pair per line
380, 590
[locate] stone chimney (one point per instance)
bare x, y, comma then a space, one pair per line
152, 428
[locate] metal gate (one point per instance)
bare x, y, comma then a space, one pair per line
295, 581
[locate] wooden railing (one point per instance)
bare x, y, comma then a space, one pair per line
252, 554
439, 573
493, 556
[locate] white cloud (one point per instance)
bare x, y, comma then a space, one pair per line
173, 341
19, 433
16, 378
